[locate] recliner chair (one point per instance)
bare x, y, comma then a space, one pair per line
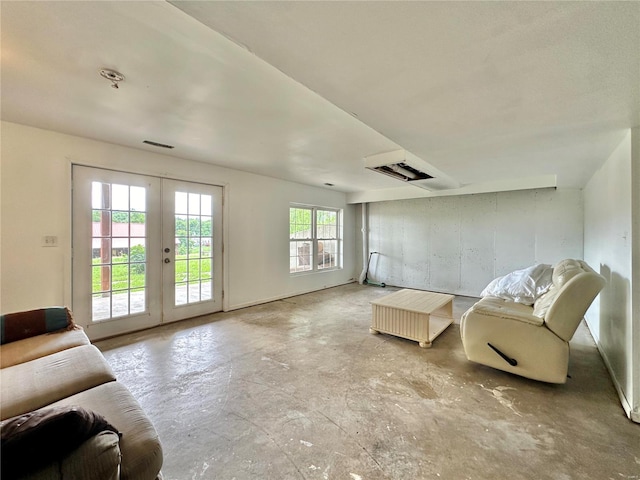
532, 341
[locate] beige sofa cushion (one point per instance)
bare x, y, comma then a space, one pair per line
30, 385
497, 307
41, 345
139, 445
541, 307
565, 270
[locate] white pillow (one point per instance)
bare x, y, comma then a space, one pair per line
522, 286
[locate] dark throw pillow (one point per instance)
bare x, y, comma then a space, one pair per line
37, 438
19, 325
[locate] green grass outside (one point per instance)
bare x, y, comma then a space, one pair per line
185, 270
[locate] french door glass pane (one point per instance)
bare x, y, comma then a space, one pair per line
206, 291
181, 293
101, 306
194, 203
194, 292
138, 300
120, 304
193, 242
118, 251
138, 199
205, 268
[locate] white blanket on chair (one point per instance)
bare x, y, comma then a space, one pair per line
522, 286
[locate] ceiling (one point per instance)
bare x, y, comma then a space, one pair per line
303, 91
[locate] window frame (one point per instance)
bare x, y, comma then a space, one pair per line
313, 239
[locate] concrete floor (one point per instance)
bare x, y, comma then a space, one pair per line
299, 389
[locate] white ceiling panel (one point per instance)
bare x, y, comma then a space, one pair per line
185, 85
484, 91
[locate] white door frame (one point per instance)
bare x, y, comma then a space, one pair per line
81, 297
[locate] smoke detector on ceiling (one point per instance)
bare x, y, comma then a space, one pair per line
113, 76
406, 167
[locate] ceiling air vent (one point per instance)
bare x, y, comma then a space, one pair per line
405, 166
402, 171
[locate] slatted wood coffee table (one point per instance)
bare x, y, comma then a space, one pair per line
412, 314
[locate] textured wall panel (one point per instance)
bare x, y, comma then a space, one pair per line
477, 242
515, 231
416, 245
445, 244
559, 219
459, 244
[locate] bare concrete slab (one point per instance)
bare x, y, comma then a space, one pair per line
299, 389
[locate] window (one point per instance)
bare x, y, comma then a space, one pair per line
314, 239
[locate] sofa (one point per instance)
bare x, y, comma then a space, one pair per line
48, 374
532, 340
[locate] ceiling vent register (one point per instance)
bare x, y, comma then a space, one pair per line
405, 166
402, 171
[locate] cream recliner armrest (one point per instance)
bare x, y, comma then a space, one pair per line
532, 341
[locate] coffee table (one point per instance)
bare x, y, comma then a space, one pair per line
412, 314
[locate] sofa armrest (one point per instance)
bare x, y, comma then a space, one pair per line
98, 458
140, 446
572, 302
39, 346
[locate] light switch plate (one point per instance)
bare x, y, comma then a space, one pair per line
50, 241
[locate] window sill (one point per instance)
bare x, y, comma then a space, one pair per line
312, 272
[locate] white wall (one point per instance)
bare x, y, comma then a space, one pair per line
634, 412
458, 244
611, 231
36, 201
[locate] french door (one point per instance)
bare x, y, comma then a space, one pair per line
191, 249
146, 250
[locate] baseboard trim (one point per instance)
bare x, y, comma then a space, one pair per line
282, 297
632, 415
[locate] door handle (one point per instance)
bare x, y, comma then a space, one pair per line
167, 250
166, 260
